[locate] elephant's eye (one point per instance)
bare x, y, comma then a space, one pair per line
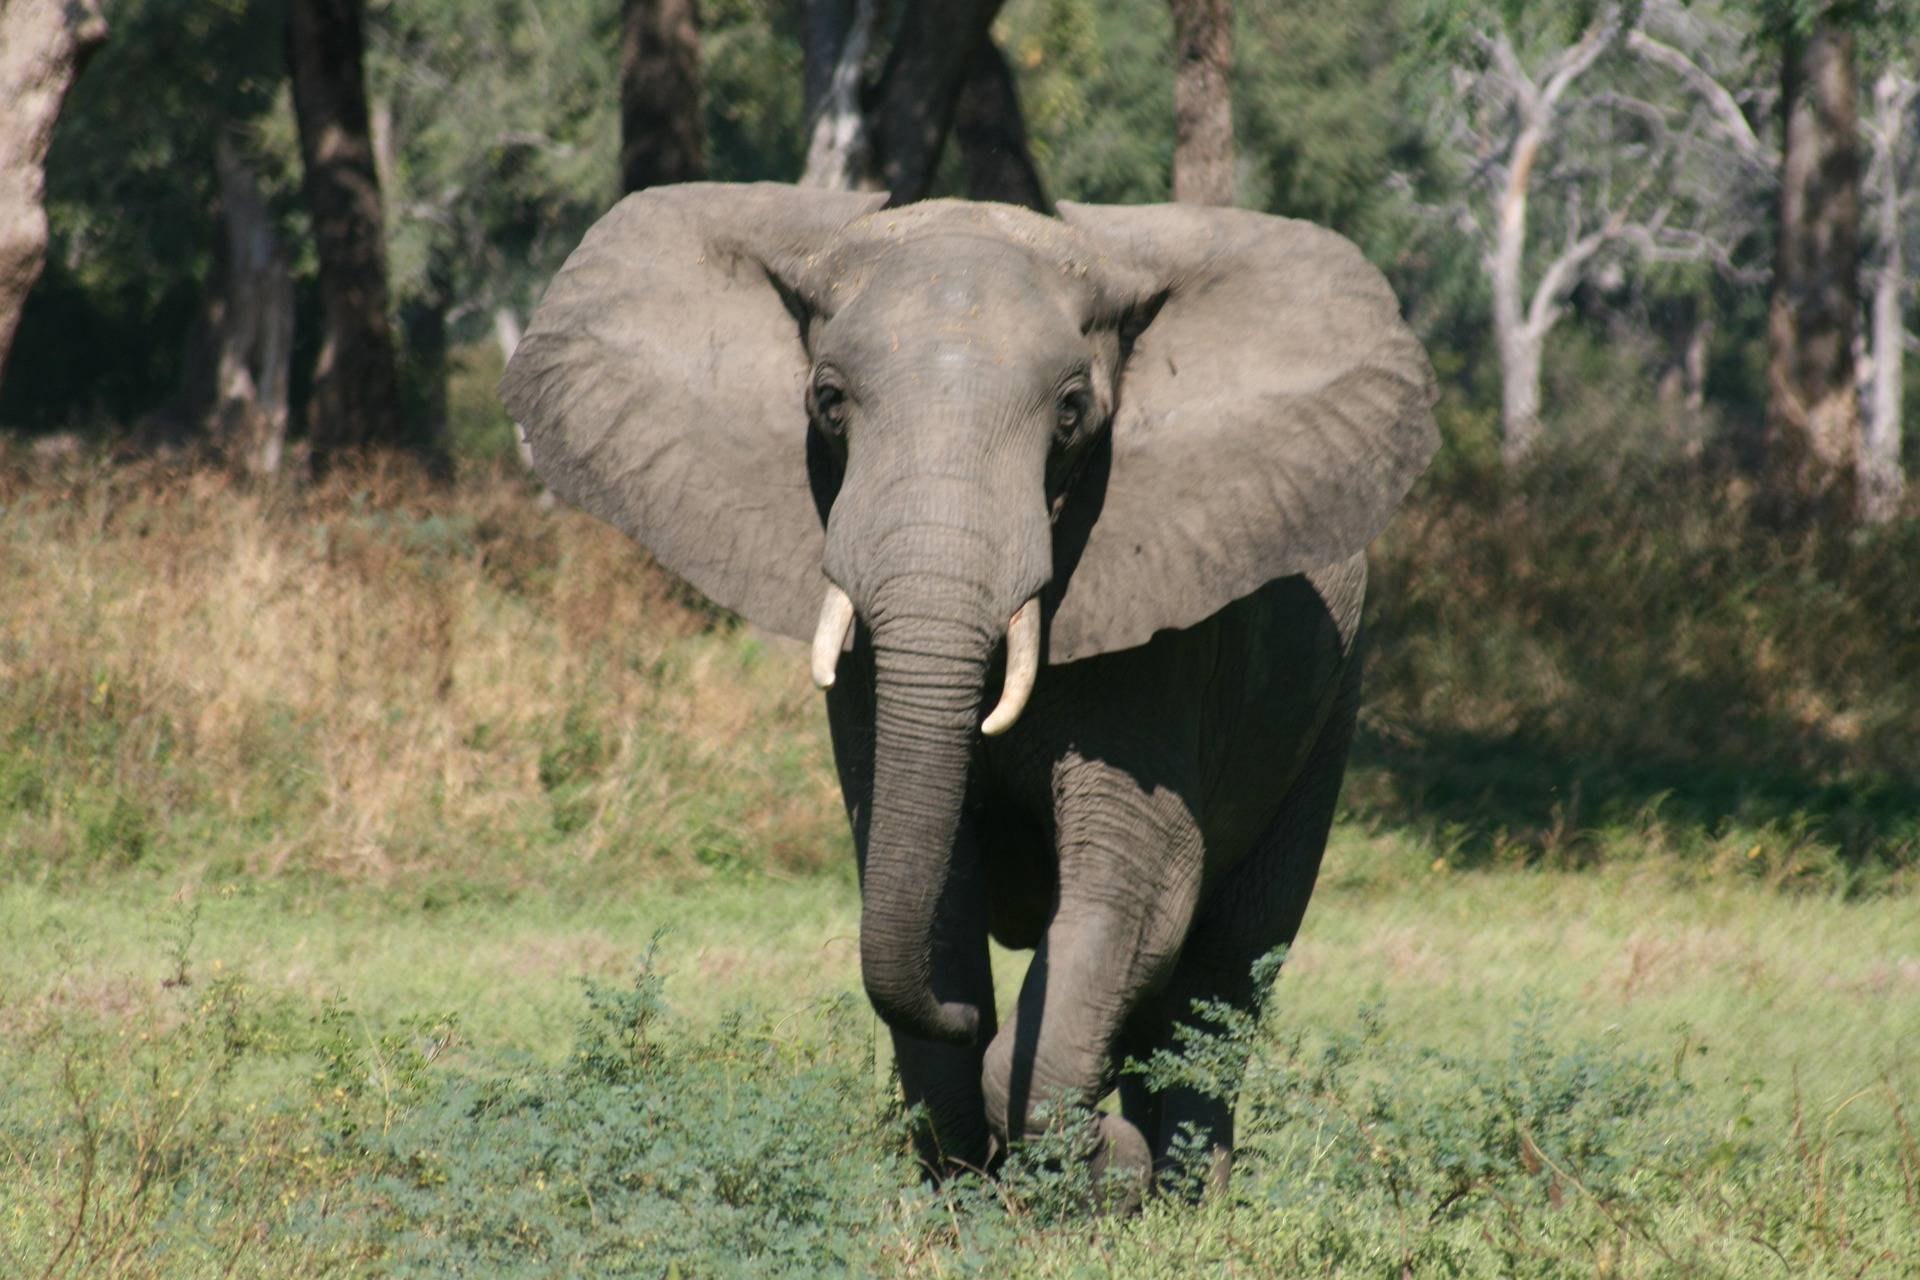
827, 401
1075, 404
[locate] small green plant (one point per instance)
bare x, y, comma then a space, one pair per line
182, 927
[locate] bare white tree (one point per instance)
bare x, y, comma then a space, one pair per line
43, 46
1890, 129
839, 154
1624, 136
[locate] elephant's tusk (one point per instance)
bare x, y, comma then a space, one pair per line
836, 620
1023, 664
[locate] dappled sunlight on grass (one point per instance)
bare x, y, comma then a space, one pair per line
1607, 657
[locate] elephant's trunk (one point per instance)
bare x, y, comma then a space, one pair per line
938, 539
929, 671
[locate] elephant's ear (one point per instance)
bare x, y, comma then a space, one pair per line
1271, 417
661, 386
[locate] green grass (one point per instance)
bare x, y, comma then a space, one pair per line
391, 1072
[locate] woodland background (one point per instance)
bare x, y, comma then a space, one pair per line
1704, 208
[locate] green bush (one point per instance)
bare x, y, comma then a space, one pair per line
742, 1151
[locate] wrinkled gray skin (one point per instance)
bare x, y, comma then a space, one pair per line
1179, 427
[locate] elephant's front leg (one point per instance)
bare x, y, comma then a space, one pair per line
1130, 866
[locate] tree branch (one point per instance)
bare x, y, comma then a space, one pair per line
1498, 47
1573, 62
1559, 279
1725, 111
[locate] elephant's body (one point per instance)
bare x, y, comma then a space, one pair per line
1123, 467
1198, 770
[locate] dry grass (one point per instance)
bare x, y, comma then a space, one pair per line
380, 680
375, 679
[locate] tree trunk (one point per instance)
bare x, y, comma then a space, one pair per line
992, 135
1520, 351
1517, 343
1882, 483
249, 421
913, 105
232, 393
355, 401
839, 155
43, 46
663, 135
942, 65
1693, 362
1813, 416
423, 332
1202, 102
825, 26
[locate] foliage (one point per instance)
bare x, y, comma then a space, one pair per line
1097, 92
503, 136
498, 129
354, 681
603, 1165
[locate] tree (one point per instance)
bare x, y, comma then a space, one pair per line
1812, 428
1203, 171
1638, 165
913, 104
44, 44
356, 393
838, 36
662, 135
233, 392
991, 133
1894, 156
496, 131
117, 328
942, 64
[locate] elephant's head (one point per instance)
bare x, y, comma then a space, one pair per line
967, 423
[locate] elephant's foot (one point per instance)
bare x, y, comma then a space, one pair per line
1122, 1166
1119, 1164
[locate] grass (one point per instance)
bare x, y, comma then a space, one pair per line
1740, 1041
317, 808
363, 684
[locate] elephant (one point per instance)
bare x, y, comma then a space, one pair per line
1121, 466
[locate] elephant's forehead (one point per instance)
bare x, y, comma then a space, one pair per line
1013, 227
962, 291
954, 271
